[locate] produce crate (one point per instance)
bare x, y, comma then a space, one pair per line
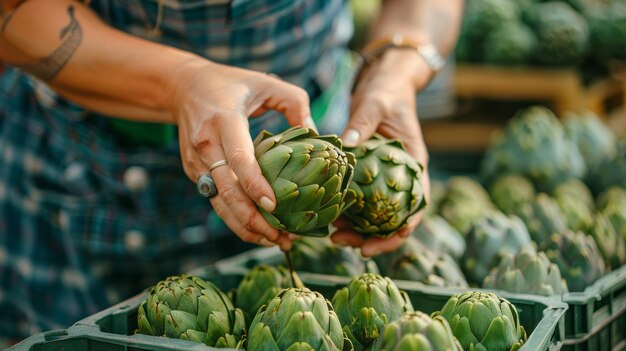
114, 328
595, 319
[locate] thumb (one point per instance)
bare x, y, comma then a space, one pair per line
362, 125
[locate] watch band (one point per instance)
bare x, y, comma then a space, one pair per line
375, 49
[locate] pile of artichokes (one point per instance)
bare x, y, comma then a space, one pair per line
370, 313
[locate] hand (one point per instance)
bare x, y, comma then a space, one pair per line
211, 103
384, 102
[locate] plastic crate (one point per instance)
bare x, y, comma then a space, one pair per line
595, 319
114, 328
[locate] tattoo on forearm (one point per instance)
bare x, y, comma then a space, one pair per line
48, 67
5, 20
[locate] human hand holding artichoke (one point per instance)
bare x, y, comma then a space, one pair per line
309, 175
389, 192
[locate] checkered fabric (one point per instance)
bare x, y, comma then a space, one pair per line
88, 218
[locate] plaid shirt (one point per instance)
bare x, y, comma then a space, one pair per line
87, 218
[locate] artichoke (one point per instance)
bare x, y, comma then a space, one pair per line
595, 141
437, 234
387, 183
510, 192
320, 255
577, 256
612, 196
542, 218
576, 204
491, 237
417, 331
562, 33
189, 308
528, 272
465, 201
610, 243
297, 319
512, 43
309, 174
258, 287
534, 145
610, 172
607, 21
576, 191
414, 262
484, 322
367, 305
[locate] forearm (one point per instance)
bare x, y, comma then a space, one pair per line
435, 22
65, 44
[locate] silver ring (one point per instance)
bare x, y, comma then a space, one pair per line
206, 186
218, 164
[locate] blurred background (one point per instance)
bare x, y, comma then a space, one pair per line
566, 55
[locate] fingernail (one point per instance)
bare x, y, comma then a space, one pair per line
309, 123
267, 204
351, 138
371, 252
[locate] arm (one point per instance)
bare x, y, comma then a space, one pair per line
65, 44
384, 97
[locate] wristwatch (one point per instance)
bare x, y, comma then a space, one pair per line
373, 51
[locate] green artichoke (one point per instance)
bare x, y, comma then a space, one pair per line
562, 33
534, 145
366, 305
610, 172
577, 191
310, 175
612, 204
610, 243
512, 43
491, 237
320, 255
417, 331
576, 214
484, 322
542, 218
189, 308
612, 196
437, 234
414, 262
387, 183
595, 140
510, 192
465, 202
297, 319
258, 287
577, 256
607, 20
528, 272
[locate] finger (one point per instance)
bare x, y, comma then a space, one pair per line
288, 99
285, 241
239, 152
347, 238
342, 223
227, 215
245, 211
376, 246
363, 122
